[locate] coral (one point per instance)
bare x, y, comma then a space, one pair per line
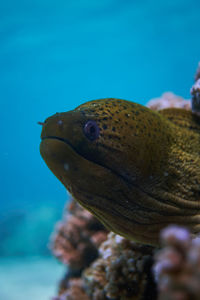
123, 271
75, 243
177, 266
77, 238
169, 100
195, 92
74, 291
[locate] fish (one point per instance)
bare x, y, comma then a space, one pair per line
135, 169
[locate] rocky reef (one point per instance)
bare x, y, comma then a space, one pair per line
106, 266
100, 265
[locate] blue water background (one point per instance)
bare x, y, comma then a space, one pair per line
55, 55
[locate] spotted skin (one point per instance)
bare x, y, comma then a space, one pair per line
140, 174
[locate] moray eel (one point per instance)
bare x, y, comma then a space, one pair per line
135, 169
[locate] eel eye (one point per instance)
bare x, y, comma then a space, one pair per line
91, 130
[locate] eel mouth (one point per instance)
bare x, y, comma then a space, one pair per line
51, 137
62, 142
67, 142
63, 147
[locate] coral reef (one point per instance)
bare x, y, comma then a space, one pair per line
77, 238
177, 266
74, 290
195, 92
169, 100
75, 243
123, 271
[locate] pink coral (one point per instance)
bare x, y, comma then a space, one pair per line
195, 92
177, 266
77, 238
75, 243
74, 291
169, 100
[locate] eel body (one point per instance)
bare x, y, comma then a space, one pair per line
135, 169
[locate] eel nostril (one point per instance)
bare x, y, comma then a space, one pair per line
40, 123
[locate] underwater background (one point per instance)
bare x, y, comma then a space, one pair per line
55, 55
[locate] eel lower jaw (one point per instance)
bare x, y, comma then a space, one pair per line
56, 138
67, 142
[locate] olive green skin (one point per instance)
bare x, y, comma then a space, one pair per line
142, 172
